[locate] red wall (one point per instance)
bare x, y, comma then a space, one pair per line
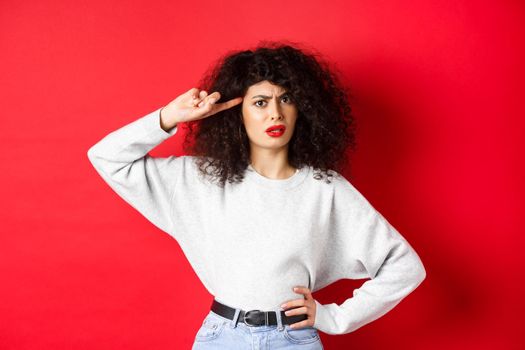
439, 99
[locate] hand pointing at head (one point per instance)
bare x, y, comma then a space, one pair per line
194, 104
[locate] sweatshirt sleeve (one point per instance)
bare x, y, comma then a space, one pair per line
146, 183
366, 246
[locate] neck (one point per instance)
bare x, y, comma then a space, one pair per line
273, 165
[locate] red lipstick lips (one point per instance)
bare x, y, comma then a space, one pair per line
276, 130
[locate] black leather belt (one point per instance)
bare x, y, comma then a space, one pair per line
255, 317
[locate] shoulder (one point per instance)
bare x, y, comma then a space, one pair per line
198, 171
325, 177
346, 191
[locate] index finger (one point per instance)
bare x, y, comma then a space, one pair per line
228, 104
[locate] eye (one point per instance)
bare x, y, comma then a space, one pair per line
288, 98
255, 103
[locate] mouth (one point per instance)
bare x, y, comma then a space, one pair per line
276, 129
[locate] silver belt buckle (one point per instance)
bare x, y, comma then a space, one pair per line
252, 325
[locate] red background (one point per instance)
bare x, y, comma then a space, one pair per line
439, 101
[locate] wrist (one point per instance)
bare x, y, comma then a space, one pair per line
165, 126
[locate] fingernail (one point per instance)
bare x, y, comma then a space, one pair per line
283, 306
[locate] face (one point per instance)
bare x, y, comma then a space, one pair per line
264, 105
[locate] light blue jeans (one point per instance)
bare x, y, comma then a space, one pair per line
218, 332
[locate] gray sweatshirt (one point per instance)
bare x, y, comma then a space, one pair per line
251, 243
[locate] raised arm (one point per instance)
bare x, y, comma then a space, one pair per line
367, 246
147, 183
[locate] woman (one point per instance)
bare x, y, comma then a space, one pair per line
260, 209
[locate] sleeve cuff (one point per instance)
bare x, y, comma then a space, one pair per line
322, 318
170, 132
156, 117
150, 124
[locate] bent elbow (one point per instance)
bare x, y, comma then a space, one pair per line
98, 162
419, 275
91, 154
96, 157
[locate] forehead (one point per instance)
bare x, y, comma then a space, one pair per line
265, 87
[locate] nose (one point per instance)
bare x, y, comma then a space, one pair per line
275, 110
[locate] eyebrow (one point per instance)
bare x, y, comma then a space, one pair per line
264, 96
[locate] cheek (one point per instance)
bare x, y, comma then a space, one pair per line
253, 117
248, 114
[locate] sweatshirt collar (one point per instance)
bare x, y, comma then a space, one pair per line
251, 175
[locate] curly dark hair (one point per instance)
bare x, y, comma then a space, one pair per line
324, 128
